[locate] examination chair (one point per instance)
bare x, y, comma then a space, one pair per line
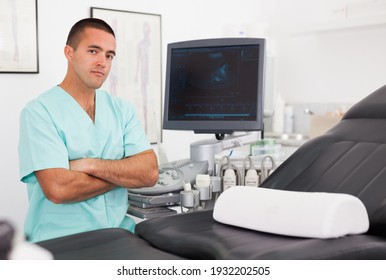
349, 159
104, 244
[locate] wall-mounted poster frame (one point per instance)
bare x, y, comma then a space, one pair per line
136, 71
19, 36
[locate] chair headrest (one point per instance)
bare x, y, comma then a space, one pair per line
371, 107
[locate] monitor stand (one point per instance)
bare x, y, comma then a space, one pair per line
208, 148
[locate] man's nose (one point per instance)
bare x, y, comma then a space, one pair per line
101, 60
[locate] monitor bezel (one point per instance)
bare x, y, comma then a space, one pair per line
217, 126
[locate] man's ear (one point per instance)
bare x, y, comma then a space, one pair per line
68, 52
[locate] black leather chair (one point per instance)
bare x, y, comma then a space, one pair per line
350, 158
104, 244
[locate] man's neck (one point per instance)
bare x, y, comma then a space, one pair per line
84, 96
78, 91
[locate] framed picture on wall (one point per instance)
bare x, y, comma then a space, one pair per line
18, 36
136, 71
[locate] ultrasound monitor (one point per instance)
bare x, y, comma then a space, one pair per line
215, 85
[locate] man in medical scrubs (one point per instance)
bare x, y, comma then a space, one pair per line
81, 148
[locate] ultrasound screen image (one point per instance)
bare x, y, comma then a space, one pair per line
214, 83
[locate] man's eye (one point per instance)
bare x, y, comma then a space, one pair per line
110, 57
92, 51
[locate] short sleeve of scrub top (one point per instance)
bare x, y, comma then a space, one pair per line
54, 129
40, 145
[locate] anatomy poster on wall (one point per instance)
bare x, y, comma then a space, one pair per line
18, 36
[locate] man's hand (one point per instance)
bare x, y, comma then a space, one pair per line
81, 165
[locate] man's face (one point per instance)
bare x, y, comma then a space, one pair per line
91, 61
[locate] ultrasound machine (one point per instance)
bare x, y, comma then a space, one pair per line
213, 86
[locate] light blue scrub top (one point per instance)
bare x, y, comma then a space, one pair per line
55, 129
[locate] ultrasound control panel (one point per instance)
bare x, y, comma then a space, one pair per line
173, 176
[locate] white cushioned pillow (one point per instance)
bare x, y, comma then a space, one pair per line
301, 214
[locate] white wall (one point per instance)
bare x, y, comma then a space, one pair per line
333, 66
329, 50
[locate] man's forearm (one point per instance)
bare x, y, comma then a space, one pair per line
140, 170
64, 186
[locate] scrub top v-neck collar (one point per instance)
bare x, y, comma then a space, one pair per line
83, 112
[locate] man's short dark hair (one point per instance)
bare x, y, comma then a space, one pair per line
75, 32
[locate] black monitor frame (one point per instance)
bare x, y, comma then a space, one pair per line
218, 127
